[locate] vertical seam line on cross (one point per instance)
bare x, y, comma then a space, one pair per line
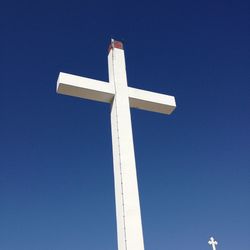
123, 209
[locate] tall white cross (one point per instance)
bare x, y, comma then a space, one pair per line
121, 97
213, 243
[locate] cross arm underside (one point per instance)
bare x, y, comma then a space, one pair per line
86, 88
151, 101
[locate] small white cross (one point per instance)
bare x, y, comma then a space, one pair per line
213, 243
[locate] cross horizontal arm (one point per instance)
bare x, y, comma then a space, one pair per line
86, 88
151, 101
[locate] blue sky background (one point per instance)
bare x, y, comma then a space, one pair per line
56, 177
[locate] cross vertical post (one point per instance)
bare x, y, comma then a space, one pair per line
128, 215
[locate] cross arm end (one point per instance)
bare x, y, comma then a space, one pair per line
83, 87
151, 101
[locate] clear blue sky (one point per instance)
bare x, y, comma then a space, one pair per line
56, 177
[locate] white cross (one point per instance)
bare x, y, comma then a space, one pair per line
121, 97
213, 243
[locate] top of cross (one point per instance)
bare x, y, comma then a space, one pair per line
212, 241
115, 44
